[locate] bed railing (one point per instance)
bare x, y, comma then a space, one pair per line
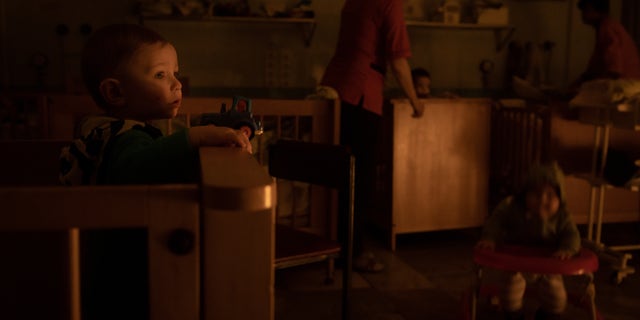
210, 246
297, 119
520, 137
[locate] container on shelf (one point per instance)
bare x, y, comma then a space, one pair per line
451, 11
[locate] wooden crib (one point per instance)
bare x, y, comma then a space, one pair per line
210, 246
238, 195
306, 120
520, 138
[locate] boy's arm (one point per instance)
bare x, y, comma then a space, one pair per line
136, 158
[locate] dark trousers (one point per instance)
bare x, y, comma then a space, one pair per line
360, 130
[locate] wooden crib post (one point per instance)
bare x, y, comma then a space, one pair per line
235, 201
174, 253
238, 230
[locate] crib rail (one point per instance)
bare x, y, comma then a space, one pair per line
305, 120
228, 219
520, 137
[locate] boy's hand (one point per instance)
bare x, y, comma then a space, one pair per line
562, 254
213, 136
486, 245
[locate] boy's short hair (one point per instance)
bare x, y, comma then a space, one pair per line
420, 72
108, 49
599, 5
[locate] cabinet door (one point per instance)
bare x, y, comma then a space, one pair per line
440, 165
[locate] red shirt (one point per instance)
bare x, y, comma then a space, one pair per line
615, 51
372, 32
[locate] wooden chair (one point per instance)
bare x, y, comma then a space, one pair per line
319, 164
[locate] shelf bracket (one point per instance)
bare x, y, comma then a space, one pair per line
308, 29
502, 37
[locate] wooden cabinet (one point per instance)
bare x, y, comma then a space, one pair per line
440, 165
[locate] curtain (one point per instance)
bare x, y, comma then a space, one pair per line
630, 18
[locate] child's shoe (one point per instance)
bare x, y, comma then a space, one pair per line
367, 262
544, 315
514, 315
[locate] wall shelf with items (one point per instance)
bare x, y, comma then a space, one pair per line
503, 33
307, 25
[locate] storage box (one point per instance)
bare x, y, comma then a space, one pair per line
451, 12
493, 16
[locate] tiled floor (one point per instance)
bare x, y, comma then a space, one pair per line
426, 278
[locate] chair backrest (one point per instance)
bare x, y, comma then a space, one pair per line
327, 165
315, 163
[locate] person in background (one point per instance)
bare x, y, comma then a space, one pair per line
131, 73
615, 54
373, 35
537, 216
422, 82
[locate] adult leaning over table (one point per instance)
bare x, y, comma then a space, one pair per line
615, 54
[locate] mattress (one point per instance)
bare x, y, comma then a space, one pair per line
609, 101
605, 92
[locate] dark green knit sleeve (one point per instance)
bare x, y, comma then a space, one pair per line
495, 225
569, 236
136, 158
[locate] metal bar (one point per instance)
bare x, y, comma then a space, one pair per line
603, 162
625, 247
592, 211
600, 212
594, 172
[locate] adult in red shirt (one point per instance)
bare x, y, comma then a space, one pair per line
615, 54
372, 35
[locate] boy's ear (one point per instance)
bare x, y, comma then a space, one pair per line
112, 92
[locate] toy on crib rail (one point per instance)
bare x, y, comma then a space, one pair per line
238, 117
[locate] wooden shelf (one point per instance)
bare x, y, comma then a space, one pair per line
503, 33
308, 25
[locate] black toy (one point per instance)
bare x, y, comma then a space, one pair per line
236, 117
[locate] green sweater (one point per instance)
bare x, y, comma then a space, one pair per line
509, 224
136, 157
115, 151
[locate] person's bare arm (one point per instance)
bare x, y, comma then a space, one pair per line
402, 72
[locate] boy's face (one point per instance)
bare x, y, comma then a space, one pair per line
423, 86
543, 202
150, 85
